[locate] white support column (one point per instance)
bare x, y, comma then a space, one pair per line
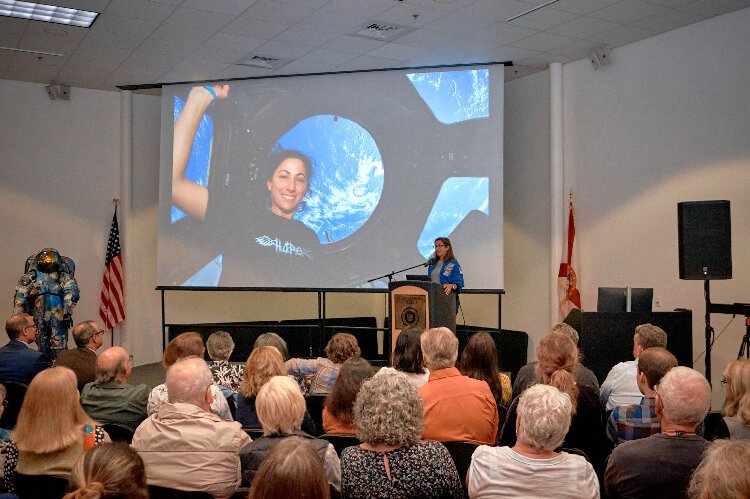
126, 199
557, 194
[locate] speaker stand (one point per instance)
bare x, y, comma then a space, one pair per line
709, 329
745, 346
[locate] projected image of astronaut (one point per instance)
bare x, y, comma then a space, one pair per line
320, 183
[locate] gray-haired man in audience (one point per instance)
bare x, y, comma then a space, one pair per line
184, 446
661, 465
111, 399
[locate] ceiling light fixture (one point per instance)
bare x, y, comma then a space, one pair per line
47, 13
533, 9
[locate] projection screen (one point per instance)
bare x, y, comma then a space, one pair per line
328, 181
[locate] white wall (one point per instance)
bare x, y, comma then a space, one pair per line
60, 171
667, 122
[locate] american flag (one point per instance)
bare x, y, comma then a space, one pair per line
112, 299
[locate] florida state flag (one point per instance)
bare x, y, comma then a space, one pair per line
566, 277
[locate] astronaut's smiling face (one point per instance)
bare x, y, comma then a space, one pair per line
287, 186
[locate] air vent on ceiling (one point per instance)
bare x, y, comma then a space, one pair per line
385, 32
262, 61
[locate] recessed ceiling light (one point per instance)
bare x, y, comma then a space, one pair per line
47, 13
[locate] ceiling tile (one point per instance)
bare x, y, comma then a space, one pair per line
369, 62
315, 4
118, 40
48, 44
627, 11
503, 33
353, 44
217, 54
622, 36
335, 23
576, 50
303, 36
231, 7
38, 74
494, 10
333, 57
90, 5
234, 42
708, 8
71, 34
582, 6
671, 3
254, 28
458, 24
542, 61
544, 19
397, 52
403, 14
283, 13
282, 50
543, 42
154, 59
360, 8
426, 39
11, 25
139, 9
235, 71
584, 27
303, 66
194, 18
9, 39
124, 25
171, 35
667, 21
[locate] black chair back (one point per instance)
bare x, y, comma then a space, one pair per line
40, 486
461, 453
156, 492
341, 442
119, 432
315, 404
15, 393
254, 433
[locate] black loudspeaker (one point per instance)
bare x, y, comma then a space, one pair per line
705, 240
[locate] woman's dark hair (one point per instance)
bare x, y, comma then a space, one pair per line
292, 468
407, 355
479, 361
340, 402
448, 248
278, 155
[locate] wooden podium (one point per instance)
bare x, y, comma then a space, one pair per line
422, 304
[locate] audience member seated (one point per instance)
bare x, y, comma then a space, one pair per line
661, 465
407, 356
456, 407
273, 340
620, 387
557, 358
52, 429
337, 412
479, 361
533, 467
392, 461
18, 362
88, 337
527, 374
318, 375
111, 399
292, 469
181, 346
263, 364
631, 422
220, 347
736, 421
4, 433
281, 408
183, 445
723, 472
109, 471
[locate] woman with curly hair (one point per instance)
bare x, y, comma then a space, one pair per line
109, 471
479, 361
392, 461
320, 374
337, 412
736, 421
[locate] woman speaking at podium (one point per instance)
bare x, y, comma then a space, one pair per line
443, 268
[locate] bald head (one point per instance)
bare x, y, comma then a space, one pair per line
189, 381
113, 365
654, 363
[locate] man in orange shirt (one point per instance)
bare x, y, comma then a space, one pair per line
456, 407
